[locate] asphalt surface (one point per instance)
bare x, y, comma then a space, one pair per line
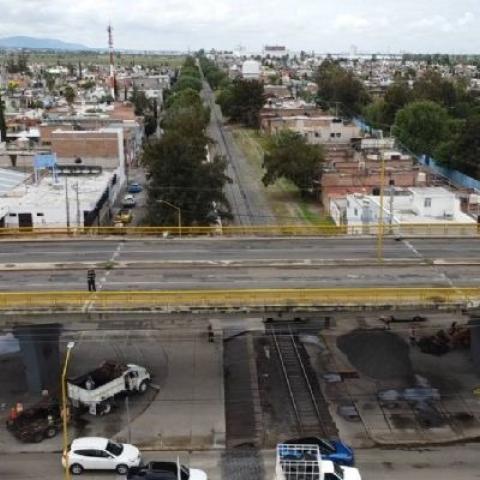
245, 194
432, 463
180, 264
208, 249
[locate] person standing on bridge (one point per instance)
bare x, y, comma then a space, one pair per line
91, 275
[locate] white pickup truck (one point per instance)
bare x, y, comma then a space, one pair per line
97, 389
305, 462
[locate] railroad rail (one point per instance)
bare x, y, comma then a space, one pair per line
309, 419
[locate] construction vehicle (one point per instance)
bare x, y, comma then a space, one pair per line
36, 423
97, 390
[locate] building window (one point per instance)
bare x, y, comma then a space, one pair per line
40, 215
339, 135
355, 212
317, 134
428, 202
12, 215
332, 135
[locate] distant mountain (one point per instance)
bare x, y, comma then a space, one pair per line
39, 43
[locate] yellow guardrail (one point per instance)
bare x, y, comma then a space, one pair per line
316, 297
430, 229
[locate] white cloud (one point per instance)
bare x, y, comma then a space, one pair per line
414, 25
350, 22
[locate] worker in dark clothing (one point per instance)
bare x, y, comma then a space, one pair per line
91, 280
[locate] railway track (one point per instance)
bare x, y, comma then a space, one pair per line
310, 409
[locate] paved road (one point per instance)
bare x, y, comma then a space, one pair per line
435, 463
245, 194
191, 278
235, 250
227, 263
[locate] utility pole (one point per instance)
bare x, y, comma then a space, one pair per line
380, 216
67, 202
78, 204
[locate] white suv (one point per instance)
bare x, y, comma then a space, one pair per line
97, 453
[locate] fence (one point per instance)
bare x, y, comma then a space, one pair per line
421, 229
253, 298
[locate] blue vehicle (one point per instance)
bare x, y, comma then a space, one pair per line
134, 188
334, 450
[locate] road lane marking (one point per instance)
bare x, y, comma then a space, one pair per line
412, 249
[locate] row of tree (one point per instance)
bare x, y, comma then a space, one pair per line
240, 100
435, 116
183, 184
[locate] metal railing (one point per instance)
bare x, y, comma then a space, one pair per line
422, 229
241, 298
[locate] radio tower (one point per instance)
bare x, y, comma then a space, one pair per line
112, 61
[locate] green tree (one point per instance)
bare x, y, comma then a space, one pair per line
463, 151
140, 101
181, 176
289, 156
185, 81
422, 126
69, 94
242, 101
337, 85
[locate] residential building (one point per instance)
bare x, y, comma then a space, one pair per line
251, 70
401, 207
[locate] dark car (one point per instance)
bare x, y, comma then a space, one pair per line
134, 188
165, 471
333, 450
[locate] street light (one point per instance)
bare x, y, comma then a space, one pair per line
70, 345
179, 212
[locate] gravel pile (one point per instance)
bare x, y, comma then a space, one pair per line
378, 354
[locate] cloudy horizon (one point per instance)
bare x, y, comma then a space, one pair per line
368, 25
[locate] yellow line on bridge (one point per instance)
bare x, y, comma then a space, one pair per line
424, 229
253, 298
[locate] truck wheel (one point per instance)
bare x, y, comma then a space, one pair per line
122, 469
76, 469
143, 387
50, 432
106, 408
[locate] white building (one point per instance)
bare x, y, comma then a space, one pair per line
80, 200
251, 70
401, 207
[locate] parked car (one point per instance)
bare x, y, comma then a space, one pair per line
333, 450
134, 187
124, 215
129, 201
165, 471
43, 420
97, 453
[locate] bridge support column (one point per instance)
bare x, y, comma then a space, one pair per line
41, 355
475, 338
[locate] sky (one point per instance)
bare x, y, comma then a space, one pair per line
318, 25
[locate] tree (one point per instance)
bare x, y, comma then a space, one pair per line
289, 156
432, 86
463, 151
242, 101
422, 126
69, 94
181, 176
140, 101
337, 85
185, 81
3, 124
